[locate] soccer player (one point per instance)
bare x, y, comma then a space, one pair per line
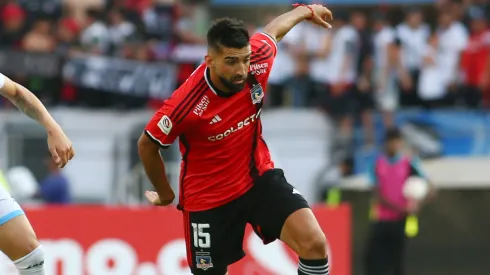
17, 238
227, 176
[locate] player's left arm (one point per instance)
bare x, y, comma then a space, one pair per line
281, 25
59, 144
26, 102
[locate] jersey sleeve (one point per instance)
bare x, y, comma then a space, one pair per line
264, 50
415, 168
167, 123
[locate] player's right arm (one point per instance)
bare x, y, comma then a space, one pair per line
281, 25
59, 144
162, 130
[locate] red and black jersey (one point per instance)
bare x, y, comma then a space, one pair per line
220, 135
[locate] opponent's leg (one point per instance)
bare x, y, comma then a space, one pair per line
302, 233
18, 241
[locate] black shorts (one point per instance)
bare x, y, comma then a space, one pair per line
214, 237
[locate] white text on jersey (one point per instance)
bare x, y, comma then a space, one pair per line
202, 106
258, 69
240, 125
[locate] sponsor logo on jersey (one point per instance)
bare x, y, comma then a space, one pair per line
201, 106
165, 124
257, 93
240, 125
215, 119
259, 68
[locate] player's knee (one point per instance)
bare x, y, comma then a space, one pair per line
314, 246
32, 263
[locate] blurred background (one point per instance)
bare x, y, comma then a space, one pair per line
104, 66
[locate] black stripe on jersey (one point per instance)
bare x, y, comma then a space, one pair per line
188, 98
194, 101
185, 156
263, 58
266, 52
258, 52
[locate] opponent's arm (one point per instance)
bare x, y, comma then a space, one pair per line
59, 145
281, 25
149, 153
28, 103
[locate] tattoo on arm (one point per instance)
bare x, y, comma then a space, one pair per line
24, 101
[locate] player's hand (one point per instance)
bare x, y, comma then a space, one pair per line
160, 200
413, 207
322, 16
60, 147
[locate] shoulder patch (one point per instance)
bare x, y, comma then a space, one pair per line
165, 124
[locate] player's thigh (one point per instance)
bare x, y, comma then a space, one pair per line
17, 238
214, 238
279, 211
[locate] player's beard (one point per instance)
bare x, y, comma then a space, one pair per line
234, 88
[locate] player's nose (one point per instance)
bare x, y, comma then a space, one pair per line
243, 70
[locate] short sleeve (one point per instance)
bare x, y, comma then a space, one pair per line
372, 173
416, 170
264, 50
168, 123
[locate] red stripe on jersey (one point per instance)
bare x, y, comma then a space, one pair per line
186, 104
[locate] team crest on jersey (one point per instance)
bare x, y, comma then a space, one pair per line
203, 260
257, 93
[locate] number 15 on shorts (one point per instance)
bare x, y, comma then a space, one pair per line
201, 238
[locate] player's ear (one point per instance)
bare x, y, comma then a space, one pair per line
209, 61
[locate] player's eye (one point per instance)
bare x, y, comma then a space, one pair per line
230, 62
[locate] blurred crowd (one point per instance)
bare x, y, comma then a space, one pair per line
143, 30
432, 58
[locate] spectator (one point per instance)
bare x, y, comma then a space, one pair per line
475, 60
184, 28
342, 76
119, 31
55, 188
13, 30
453, 39
319, 65
283, 68
413, 35
384, 76
431, 88
363, 89
95, 37
67, 36
40, 38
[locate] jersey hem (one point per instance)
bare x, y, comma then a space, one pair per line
218, 204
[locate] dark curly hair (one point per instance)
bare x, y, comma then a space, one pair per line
228, 32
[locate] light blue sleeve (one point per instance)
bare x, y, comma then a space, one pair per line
416, 166
372, 173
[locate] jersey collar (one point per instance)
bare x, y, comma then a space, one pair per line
214, 89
